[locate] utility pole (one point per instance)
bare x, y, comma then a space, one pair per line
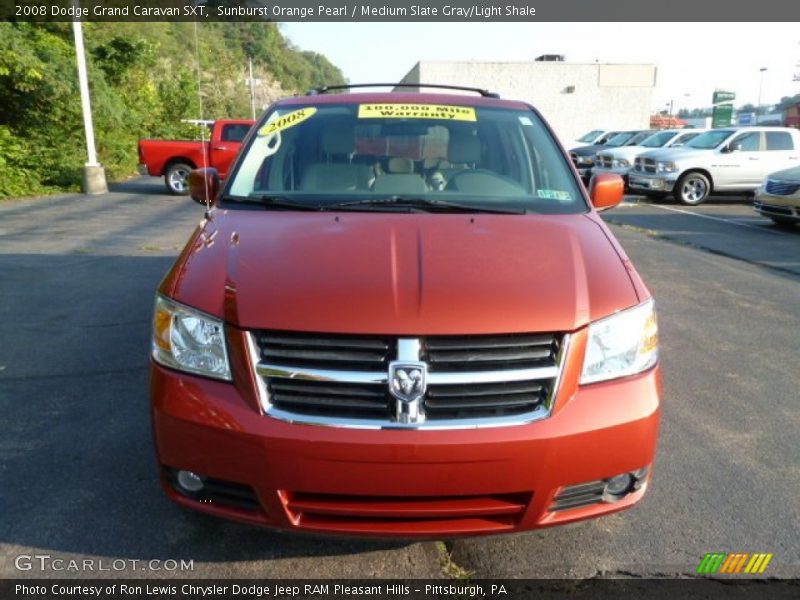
760, 86
94, 175
252, 85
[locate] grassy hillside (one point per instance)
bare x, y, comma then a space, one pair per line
143, 79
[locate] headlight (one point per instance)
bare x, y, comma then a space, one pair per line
189, 340
666, 167
622, 344
621, 163
586, 160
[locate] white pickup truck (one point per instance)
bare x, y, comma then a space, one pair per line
721, 160
620, 160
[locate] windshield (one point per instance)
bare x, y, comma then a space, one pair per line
591, 136
367, 155
657, 140
710, 139
621, 138
639, 138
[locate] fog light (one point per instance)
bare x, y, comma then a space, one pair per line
190, 482
617, 486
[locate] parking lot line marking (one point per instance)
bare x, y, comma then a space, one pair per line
688, 212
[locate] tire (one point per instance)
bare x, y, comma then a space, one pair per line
783, 222
175, 178
692, 188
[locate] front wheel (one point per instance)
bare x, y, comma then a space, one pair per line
175, 177
692, 188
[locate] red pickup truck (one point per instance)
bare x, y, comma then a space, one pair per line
174, 159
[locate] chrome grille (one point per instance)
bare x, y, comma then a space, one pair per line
604, 160
325, 351
471, 381
484, 399
781, 188
329, 398
473, 353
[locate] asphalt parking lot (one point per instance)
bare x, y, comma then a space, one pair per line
78, 476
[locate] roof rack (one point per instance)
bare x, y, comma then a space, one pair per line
327, 88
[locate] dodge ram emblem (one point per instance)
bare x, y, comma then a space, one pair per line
407, 380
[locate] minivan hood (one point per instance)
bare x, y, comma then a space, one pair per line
405, 274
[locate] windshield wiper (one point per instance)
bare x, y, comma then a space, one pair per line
425, 203
269, 201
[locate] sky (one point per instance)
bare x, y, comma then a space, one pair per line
692, 59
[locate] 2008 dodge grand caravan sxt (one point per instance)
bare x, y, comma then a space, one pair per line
403, 317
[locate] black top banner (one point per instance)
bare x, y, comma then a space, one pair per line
399, 10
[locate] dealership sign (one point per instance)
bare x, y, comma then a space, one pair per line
722, 116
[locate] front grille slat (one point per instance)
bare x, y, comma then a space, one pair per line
292, 387
475, 353
345, 376
328, 398
335, 355
364, 353
480, 389
504, 354
497, 402
329, 342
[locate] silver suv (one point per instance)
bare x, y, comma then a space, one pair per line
721, 160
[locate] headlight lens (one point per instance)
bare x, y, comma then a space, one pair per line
621, 163
189, 340
666, 167
622, 344
585, 160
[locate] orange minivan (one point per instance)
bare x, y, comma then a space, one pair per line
402, 316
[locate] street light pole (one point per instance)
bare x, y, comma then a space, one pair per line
94, 175
760, 86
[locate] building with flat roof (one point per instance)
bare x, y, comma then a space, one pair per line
573, 97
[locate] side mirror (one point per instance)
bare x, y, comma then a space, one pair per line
204, 185
733, 147
606, 190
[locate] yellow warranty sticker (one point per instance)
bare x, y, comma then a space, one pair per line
288, 120
416, 111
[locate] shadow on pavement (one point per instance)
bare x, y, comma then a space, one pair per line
76, 457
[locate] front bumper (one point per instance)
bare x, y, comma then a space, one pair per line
651, 183
403, 483
768, 205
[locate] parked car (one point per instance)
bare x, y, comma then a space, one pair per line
621, 160
778, 197
345, 346
584, 157
595, 136
721, 160
174, 159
